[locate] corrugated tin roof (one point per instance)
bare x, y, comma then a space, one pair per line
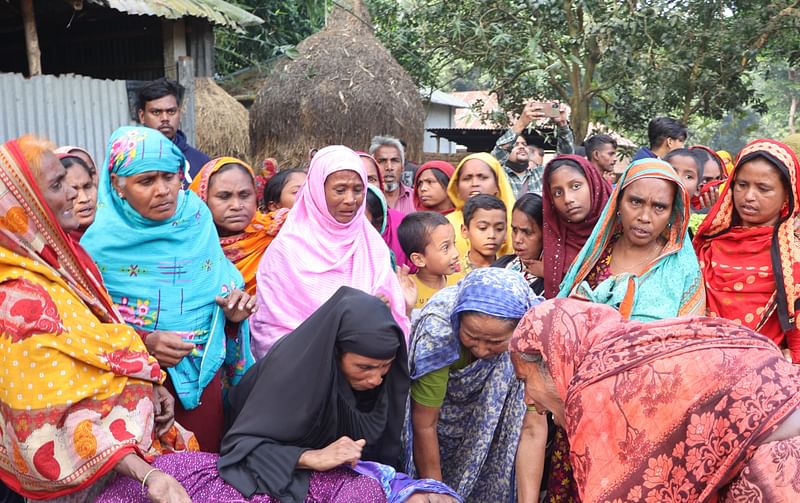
216, 11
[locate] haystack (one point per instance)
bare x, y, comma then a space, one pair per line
343, 88
221, 122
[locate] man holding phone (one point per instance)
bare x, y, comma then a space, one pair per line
511, 148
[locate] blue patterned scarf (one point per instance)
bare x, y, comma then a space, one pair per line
164, 275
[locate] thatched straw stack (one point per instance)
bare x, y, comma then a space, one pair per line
343, 88
221, 122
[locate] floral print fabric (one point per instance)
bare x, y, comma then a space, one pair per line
662, 411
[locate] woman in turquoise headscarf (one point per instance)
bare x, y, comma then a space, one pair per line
639, 258
158, 251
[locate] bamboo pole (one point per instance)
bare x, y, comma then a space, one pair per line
31, 38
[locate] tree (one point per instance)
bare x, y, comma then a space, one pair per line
619, 62
286, 23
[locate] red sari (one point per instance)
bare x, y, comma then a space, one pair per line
751, 273
564, 240
672, 410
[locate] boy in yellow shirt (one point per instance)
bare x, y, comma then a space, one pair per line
484, 227
429, 241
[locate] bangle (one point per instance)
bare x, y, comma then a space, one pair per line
144, 480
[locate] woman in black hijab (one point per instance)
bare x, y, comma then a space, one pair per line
332, 392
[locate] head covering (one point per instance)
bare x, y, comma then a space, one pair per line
672, 284
484, 400
300, 377
762, 258
246, 248
80, 394
443, 166
563, 240
365, 155
490, 290
164, 275
505, 194
314, 255
391, 221
69, 149
667, 407
727, 159
716, 157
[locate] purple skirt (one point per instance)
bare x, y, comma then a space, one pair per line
197, 473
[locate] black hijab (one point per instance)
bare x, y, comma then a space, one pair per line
296, 398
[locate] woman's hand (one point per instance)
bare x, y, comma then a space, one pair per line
163, 488
343, 451
409, 287
431, 498
167, 347
237, 306
164, 409
535, 267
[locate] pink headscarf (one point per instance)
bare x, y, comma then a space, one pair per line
314, 255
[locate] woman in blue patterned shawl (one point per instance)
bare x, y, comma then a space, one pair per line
159, 254
467, 415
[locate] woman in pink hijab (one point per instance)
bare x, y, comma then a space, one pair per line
324, 244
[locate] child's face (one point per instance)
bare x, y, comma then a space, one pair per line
441, 255
486, 231
686, 169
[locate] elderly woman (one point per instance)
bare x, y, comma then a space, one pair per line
478, 174
467, 415
686, 409
332, 392
227, 186
638, 258
159, 253
526, 231
325, 243
574, 195
81, 398
747, 245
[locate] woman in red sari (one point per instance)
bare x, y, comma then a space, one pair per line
686, 409
747, 245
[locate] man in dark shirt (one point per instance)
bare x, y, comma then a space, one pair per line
665, 135
159, 107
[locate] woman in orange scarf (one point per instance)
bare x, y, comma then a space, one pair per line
80, 397
685, 409
747, 246
227, 185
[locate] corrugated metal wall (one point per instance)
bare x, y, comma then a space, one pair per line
68, 109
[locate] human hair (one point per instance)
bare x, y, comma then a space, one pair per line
535, 359
388, 141
275, 185
557, 164
661, 128
414, 232
511, 322
531, 205
33, 149
539, 149
594, 142
440, 176
481, 202
703, 156
375, 208
691, 154
70, 160
156, 89
231, 166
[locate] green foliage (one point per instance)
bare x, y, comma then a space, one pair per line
286, 23
617, 62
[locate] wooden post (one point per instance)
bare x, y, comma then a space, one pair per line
31, 38
186, 79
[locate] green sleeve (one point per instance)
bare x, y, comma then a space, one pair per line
430, 389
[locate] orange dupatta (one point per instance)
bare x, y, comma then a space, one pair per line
245, 249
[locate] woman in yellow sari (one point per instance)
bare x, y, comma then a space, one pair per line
80, 398
227, 186
479, 174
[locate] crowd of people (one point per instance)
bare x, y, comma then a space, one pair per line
176, 328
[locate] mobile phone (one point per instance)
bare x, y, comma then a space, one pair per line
552, 109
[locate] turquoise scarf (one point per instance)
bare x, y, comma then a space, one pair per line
164, 275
